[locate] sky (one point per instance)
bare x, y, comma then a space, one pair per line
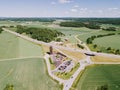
59, 8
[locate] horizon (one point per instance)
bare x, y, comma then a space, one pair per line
60, 17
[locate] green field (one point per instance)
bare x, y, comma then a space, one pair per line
8, 23
109, 41
100, 75
84, 36
26, 74
69, 32
14, 47
8, 45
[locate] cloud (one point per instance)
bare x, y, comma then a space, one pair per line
83, 9
100, 11
53, 3
65, 1
112, 8
74, 10
66, 12
76, 6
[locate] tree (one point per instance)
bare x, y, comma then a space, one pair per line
117, 51
104, 87
42, 34
89, 41
109, 29
9, 87
109, 48
58, 39
1, 30
94, 46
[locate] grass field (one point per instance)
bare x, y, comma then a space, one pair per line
14, 47
83, 37
109, 41
8, 45
98, 75
8, 23
105, 59
26, 74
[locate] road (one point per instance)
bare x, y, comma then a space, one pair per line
46, 57
83, 44
83, 63
106, 62
62, 47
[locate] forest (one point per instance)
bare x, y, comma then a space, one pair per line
42, 34
80, 24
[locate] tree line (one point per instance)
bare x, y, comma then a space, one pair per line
90, 39
95, 46
1, 30
109, 29
42, 34
28, 19
114, 21
80, 24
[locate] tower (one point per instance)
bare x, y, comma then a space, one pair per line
51, 50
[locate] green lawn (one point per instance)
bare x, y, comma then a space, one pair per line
26, 74
109, 41
100, 75
14, 47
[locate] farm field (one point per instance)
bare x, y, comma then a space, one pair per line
105, 59
83, 37
15, 47
71, 32
27, 71
86, 35
26, 74
109, 41
8, 23
99, 75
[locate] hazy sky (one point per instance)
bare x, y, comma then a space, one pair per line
59, 8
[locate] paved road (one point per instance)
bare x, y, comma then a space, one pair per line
46, 57
83, 63
106, 62
83, 44
61, 47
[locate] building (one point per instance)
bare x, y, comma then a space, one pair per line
51, 50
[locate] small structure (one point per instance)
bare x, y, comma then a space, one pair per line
57, 58
89, 54
51, 50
